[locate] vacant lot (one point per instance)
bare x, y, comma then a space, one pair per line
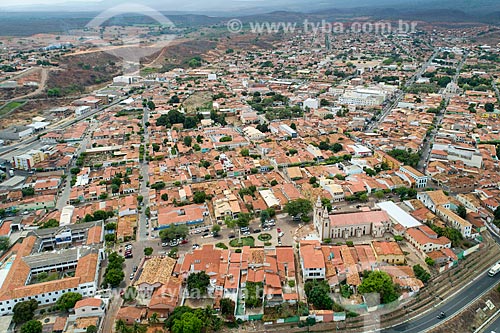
9, 107
197, 100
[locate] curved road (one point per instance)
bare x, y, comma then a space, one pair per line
451, 306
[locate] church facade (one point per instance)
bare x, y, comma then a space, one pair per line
344, 226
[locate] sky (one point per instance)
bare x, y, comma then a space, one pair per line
27, 3
189, 5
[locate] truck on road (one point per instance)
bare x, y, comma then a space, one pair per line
494, 270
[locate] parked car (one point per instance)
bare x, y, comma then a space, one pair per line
278, 230
164, 244
131, 276
205, 234
281, 234
256, 231
184, 241
195, 246
135, 268
232, 236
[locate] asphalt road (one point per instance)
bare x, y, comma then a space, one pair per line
493, 327
143, 231
387, 110
450, 306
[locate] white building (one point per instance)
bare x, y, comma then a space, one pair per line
269, 198
312, 262
18, 280
66, 215
362, 97
288, 130
360, 150
253, 134
81, 110
335, 190
125, 79
469, 156
311, 103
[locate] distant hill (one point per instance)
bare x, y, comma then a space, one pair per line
187, 13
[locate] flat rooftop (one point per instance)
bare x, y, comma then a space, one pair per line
398, 214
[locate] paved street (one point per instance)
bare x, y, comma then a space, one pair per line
427, 148
387, 110
493, 327
451, 306
143, 231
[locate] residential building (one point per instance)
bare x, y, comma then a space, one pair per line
426, 240
312, 263
28, 160
419, 179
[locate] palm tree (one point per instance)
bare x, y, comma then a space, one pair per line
138, 328
121, 326
154, 318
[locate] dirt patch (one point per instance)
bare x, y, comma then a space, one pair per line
6, 94
24, 114
197, 100
84, 70
199, 303
179, 54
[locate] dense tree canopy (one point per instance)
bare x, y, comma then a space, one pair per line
318, 294
24, 311
32, 326
186, 320
461, 211
4, 243
174, 232
421, 273
379, 282
188, 323
68, 300
405, 157
295, 207
114, 272
197, 283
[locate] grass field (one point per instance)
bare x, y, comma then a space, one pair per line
245, 241
9, 107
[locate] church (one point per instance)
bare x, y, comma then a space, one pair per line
347, 225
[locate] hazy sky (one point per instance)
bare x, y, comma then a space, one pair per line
16, 3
